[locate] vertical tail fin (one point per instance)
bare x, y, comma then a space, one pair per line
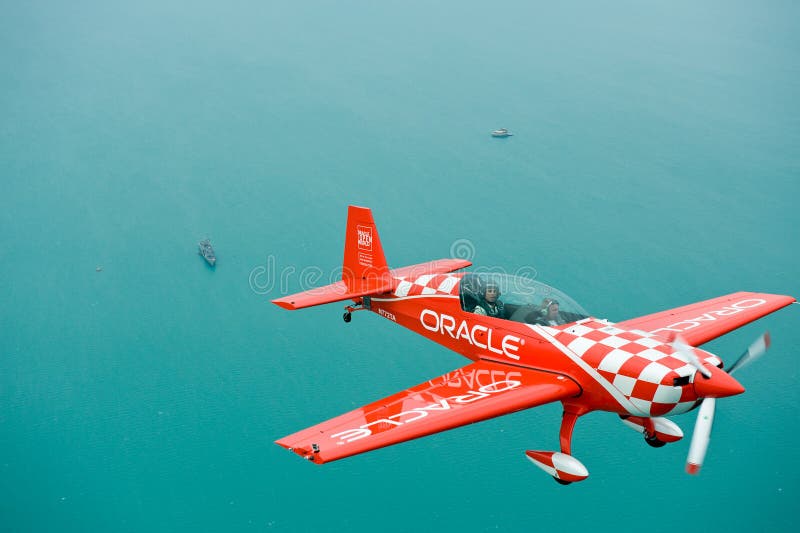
364, 263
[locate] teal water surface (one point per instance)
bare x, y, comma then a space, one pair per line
654, 163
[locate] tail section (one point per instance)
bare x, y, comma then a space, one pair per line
364, 269
364, 263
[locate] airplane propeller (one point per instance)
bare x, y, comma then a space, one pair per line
725, 386
756, 350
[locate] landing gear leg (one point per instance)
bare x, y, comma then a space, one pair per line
650, 436
567, 425
568, 420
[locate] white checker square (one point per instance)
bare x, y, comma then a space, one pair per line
428, 290
642, 405
653, 355
611, 330
580, 345
579, 330
402, 288
624, 384
647, 342
681, 408
667, 394
614, 342
654, 372
424, 279
547, 329
613, 361
685, 370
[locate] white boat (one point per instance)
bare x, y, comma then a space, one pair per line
502, 132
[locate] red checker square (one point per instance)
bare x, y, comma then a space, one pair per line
634, 348
595, 354
596, 335
629, 335
633, 367
415, 290
644, 390
608, 375
565, 338
687, 394
436, 280
673, 363
664, 348
658, 409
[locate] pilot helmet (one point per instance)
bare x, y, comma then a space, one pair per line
546, 303
492, 284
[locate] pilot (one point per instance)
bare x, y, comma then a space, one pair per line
550, 315
490, 304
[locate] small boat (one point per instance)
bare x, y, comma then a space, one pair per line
502, 132
205, 249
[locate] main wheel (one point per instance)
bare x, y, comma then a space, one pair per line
654, 442
347, 317
561, 481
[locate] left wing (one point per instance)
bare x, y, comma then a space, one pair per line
469, 394
701, 322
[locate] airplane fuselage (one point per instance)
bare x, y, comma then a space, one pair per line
621, 371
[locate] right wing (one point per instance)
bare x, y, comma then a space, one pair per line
701, 322
469, 394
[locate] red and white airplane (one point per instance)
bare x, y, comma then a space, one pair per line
529, 344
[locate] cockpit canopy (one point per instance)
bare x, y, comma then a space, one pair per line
520, 299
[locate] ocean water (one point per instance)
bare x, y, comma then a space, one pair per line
654, 163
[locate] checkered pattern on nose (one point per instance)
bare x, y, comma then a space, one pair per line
428, 284
638, 365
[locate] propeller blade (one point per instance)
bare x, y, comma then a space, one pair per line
701, 436
705, 417
756, 350
685, 350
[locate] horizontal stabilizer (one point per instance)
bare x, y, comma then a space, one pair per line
340, 291
335, 292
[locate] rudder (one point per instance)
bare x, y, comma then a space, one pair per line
364, 263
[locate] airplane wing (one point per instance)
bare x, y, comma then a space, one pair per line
701, 322
469, 394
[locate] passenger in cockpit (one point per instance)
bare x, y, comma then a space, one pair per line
550, 315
